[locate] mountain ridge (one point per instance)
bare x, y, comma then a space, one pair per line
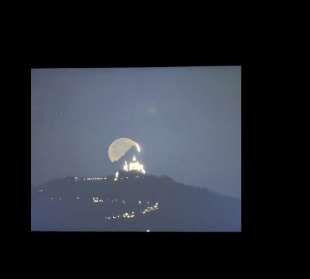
78, 204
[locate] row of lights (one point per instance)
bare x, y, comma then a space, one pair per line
76, 178
97, 199
126, 215
150, 208
116, 177
100, 200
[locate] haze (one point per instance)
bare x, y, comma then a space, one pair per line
187, 121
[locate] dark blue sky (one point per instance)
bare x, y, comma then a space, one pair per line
187, 121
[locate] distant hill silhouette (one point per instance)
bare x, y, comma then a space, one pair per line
155, 204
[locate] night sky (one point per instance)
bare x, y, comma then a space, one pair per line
187, 121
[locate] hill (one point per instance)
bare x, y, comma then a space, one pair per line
134, 202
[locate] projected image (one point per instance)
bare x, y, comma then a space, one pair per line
136, 149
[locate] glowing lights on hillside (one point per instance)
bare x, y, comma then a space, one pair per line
150, 208
133, 214
127, 215
76, 178
134, 165
97, 200
94, 178
116, 176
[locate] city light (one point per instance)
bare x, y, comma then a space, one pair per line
116, 176
97, 200
94, 178
134, 166
132, 214
150, 208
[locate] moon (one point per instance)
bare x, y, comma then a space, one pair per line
119, 147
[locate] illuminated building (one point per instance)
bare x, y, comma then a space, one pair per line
134, 165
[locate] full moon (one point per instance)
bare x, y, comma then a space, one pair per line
119, 147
